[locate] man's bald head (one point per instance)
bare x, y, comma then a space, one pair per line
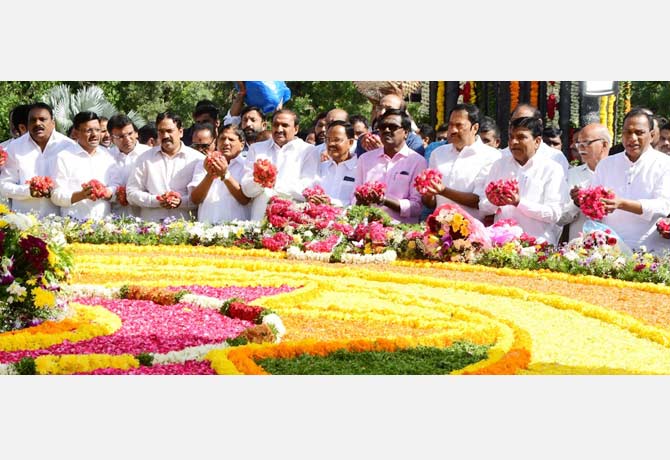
336, 114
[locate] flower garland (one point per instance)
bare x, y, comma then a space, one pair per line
534, 93
603, 110
553, 98
461, 91
473, 92
574, 104
514, 95
611, 100
424, 109
439, 112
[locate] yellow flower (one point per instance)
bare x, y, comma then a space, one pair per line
30, 282
44, 298
4, 209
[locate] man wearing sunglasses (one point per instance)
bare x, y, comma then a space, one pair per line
593, 144
203, 138
126, 150
395, 165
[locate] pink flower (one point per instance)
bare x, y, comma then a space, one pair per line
369, 191
498, 191
590, 201
425, 179
265, 173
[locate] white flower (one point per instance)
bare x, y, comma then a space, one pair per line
274, 320
529, 251
571, 255
20, 221
17, 290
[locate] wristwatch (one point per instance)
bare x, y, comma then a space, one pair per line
226, 176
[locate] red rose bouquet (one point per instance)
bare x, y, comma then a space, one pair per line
265, 173
369, 191
498, 191
99, 189
590, 201
40, 186
3, 157
424, 180
663, 227
121, 197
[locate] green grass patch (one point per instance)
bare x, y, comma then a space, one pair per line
409, 361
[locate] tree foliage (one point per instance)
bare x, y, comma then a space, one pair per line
654, 95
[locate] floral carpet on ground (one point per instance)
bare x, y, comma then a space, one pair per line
533, 322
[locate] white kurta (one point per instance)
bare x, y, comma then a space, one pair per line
465, 171
647, 181
156, 173
126, 164
73, 168
543, 189
220, 205
338, 180
578, 176
26, 160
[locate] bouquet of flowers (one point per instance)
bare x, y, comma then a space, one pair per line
498, 191
423, 180
504, 231
40, 186
663, 227
99, 189
369, 191
265, 173
33, 262
121, 197
590, 201
452, 234
317, 190
3, 157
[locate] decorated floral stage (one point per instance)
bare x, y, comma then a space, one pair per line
157, 310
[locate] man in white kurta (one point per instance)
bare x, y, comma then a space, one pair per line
464, 163
296, 161
337, 174
164, 168
593, 144
640, 179
542, 184
33, 154
82, 162
126, 150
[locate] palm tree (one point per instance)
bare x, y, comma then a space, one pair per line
66, 105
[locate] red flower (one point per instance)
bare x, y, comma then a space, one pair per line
40, 186
239, 310
590, 201
498, 191
423, 180
265, 173
368, 190
99, 189
121, 197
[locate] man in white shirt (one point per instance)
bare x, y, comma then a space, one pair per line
215, 185
337, 173
593, 144
296, 161
543, 189
33, 154
527, 110
464, 162
165, 168
81, 163
126, 151
640, 179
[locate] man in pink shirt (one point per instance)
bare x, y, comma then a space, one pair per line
395, 165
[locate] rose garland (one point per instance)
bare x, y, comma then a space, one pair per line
513, 95
534, 93
553, 98
574, 104
440, 103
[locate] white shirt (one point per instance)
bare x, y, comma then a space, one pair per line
646, 181
4, 144
74, 167
156, 173
220, 205
543, 190
548, 152
297, 164
126, 163
465, 171
578, 176
338, 180
26, 160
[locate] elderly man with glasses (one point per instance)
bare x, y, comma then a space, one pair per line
593, 144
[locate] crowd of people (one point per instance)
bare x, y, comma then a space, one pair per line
207, 171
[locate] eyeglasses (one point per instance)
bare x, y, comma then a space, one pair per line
122, 136
391, 127
587, 143
201, 146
